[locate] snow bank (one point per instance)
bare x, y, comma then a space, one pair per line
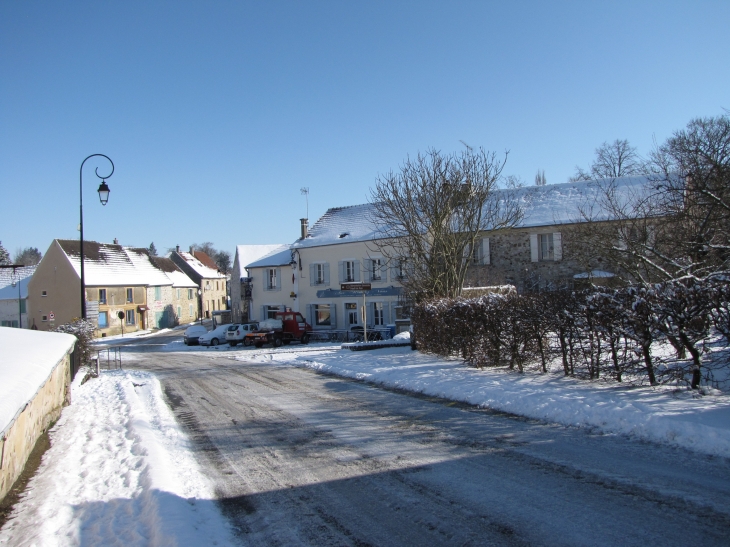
679, 417
119, 472
27, 359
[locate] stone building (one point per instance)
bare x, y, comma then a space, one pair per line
203, 270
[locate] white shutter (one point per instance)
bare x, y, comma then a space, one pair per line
356, 266
333, 316
383, 271
312, 277
557, 246
485, 251
366, 270
533, 248
326, 268
266, 279
341, 270
278, 279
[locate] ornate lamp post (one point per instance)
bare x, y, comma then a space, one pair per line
103, 197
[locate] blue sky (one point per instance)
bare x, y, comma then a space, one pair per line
217, 113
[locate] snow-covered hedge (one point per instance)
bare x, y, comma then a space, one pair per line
596, 333
83, 330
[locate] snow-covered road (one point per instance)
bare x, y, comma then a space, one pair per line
303, 458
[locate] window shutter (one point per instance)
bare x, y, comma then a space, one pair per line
266, 279
557, 246
533, 248
486, 259
383, 271
386, 313
366, 270
310, 314
371, 315
356, 264
312, 278
333, 316
263, 313
327, 274
278, 279
341, 269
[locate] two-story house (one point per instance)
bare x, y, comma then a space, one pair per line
240, 284
211, 283
14, 296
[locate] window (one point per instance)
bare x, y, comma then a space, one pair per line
158, 293
322, 315
22, 306
179, 311
191, 310
319, 274
399, 270
378, 319
44, 293
349, 271
376, 265
130, 317
190, 295
13, 324
271, 278
178, 294
102, 296
103, 319
130, 295
270, 312
547, 248
44, 318
351, 310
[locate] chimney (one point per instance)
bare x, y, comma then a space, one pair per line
177, 248
192, 252
116, 241
305, 225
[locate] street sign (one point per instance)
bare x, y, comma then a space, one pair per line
51, 316
355, 286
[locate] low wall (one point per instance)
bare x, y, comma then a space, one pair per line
19, 437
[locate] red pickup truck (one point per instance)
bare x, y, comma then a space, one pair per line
285, 327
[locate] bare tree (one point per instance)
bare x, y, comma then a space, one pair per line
223, 260
429, 214
540, 179
613, 160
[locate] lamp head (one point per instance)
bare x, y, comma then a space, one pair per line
103, 192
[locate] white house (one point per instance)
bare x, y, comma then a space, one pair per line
14, 296
239, 284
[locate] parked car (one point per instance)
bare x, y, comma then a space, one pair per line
193, 333
236, 333
214, 337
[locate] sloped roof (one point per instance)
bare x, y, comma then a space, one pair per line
281, 256
201, 269
205, 259
248, 254
8, 292
8, 275
543, 206
109, 264
177, 277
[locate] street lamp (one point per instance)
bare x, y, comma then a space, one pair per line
104, 198
20, 309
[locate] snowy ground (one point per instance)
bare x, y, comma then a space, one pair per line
675, 416
119, 472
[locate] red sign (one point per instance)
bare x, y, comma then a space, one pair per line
51, 316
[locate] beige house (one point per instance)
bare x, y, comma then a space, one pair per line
203, 270
121, 282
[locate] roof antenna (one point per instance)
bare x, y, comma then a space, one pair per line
469, 148
305, 192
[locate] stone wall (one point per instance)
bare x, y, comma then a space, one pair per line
20, 437
510, 262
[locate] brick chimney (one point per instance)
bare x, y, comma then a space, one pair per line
116, 241
177, 248
305, 227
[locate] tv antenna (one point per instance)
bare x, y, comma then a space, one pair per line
469, 148
305, 192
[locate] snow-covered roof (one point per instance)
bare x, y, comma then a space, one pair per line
23, 274
247, 254
108, 264
28, 359
562, 203
281, 256
543, 206
201, 269
177, 277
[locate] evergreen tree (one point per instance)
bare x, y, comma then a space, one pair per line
153, 249
4, 256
